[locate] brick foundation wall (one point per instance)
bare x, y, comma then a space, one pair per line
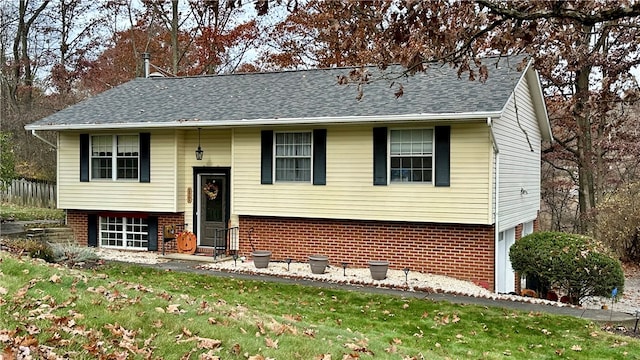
461, 251
77, 220
166, 220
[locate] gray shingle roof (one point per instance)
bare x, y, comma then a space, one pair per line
303, 94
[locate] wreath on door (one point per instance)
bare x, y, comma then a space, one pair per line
211, 190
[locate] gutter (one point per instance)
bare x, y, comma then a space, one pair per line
33, 132
480, 116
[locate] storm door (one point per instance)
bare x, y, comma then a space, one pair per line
212, 210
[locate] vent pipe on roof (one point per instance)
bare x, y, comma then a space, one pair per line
146, 57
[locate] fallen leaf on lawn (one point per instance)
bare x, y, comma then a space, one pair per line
405, 306
206, 343
425, 315
160, 310
236, 349
186, 331
392, 349
271, 343
310, 332
173, 308
397, 341
3, 291
208, 356
323, 357
260, 326
55, 278
455, 319
576, 348
296, 317
256, 357
358, 348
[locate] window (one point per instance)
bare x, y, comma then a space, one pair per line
293, 156
411, 155
123, 232
121, 150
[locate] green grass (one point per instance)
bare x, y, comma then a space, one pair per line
145, 313
25, 213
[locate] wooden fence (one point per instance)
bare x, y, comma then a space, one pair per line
29, 193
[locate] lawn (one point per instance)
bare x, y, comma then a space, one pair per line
123, 311
23, 213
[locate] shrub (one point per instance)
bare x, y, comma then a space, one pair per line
617, 222
580, 266
72, 254
34, 248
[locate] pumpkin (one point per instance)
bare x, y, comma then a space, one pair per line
187, 242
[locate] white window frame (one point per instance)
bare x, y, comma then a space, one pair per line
276, 156
114, 157
130, 231
391, 156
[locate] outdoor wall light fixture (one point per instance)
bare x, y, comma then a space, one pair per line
406, 275
344, 268
199, 152
288, 260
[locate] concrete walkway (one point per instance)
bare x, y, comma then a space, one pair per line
600, 316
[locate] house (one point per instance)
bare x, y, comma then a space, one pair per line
442, 179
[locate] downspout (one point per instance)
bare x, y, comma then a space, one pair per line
496, 195
33, 132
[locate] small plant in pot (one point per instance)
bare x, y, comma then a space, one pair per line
378, 269
318, 263
261, 258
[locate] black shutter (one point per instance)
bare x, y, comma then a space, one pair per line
92, 230
443, 151
145, 155
266, 175
380, 156
320, 157
152, 228
84, 157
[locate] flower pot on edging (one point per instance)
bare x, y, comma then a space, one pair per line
261, 258
318, 263
378, 269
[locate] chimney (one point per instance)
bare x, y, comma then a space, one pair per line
146, 56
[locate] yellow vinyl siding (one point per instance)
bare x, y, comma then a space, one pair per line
216, 144
126, 195
350, 193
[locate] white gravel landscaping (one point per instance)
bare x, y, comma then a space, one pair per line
396, 279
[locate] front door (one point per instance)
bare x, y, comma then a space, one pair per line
212, 210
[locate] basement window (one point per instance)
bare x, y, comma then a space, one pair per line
124, 233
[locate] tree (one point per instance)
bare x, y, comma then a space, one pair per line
7, 163
583, 50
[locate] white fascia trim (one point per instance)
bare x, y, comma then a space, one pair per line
482, 116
